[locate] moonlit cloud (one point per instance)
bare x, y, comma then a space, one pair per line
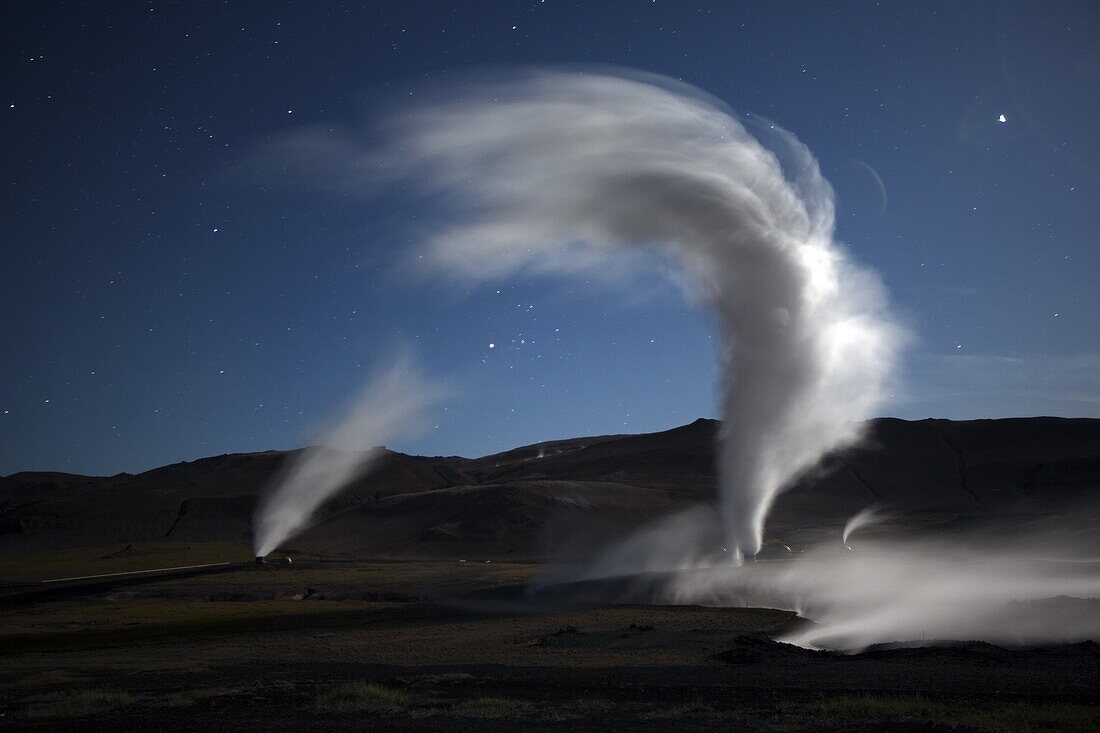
964, 386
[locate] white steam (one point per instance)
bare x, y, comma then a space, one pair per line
911, 592
1030, 586
564, 172
390, 405
865, 517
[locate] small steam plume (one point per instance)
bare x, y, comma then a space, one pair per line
390, 405
557, 172
863, 518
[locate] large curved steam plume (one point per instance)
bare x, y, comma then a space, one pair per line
557, 172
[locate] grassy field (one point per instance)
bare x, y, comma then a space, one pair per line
116, 559
408, 646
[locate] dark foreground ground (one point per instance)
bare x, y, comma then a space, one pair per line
320, 646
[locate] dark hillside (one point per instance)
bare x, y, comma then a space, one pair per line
509, 503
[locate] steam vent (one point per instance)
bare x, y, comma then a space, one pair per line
260, 560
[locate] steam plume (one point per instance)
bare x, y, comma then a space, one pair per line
865, 517
390, 404
556, 172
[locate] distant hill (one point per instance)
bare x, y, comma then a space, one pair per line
526, 501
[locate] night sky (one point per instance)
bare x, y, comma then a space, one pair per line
162, 300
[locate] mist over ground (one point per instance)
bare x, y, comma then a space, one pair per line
1030, 587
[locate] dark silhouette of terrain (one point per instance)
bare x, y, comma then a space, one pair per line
527, 501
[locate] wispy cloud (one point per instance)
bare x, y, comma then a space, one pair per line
968, 386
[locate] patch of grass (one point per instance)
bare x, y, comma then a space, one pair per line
444, 678
855, 709
493, 707
352, 696
878, 707
688, 710
78, 704
100, 559
83, 626
1048, 718
51, 678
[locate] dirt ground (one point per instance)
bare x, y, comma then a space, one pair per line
319, 646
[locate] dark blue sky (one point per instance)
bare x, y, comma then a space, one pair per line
156, 305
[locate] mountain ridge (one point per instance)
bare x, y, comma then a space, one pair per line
522, 501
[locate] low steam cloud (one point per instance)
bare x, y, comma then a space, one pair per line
390, 405
902, 591
1036, 584
561, 173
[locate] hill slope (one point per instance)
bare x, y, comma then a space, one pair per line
574, 492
